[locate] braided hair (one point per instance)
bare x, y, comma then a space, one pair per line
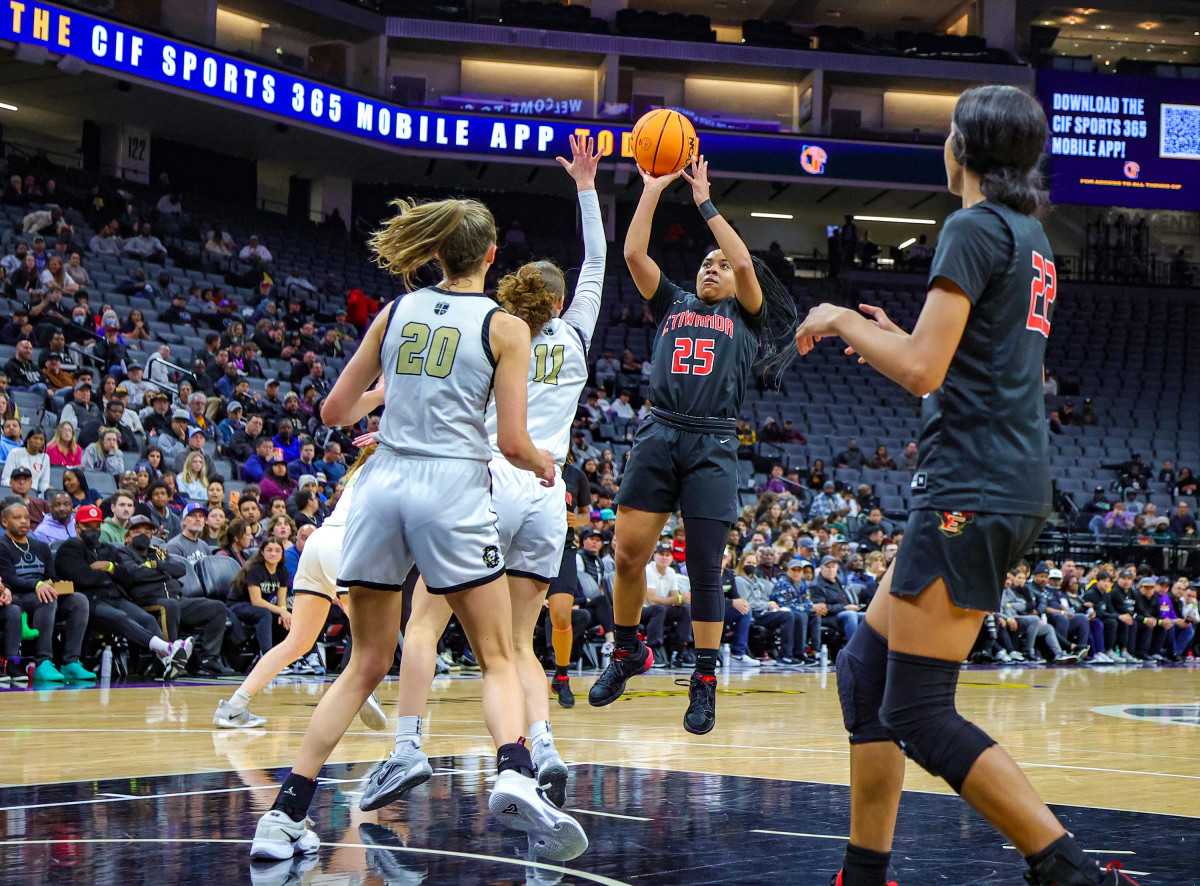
778, 321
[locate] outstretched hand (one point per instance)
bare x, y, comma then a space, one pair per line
818, 324
698, 179
658, 183
882, 320
583, 163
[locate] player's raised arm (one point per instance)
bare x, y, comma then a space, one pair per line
749, 292
642, 267
585, 305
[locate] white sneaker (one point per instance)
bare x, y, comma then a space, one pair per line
371, 713
518, 803
390, 779
278, 837
1129, 658
1101, 658
1003, 656
552, 776
1017, 655
315, 664
744, 660
229, 717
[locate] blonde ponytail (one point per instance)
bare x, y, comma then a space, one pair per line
456, 233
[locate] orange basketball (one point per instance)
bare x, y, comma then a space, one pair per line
664, 141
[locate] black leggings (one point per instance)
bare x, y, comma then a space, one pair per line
127, 619
705, 545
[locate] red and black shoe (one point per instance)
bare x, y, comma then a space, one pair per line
561, 687
609, 686
1114, 877
837, 881
701, 714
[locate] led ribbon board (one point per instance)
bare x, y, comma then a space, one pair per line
125, 51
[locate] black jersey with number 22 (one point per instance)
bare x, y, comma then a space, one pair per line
984, 445
703, 353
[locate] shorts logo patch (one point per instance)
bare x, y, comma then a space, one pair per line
954, 521
919, 480
441, 308
491, 556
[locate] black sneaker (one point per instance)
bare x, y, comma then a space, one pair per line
561, 686
609, 686
686, 658
214, 667
701, 714
1056, 871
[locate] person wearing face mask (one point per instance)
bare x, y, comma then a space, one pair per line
156, 582
94, 568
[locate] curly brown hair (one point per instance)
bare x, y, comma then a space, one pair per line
532, 292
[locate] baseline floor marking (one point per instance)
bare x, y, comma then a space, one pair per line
416, 850
610, 815
125, 798
1091, 851
841, 837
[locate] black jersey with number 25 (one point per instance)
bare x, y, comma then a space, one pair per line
984, 445
703, 354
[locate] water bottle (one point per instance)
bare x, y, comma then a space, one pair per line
106, 663
725, 653
824, 656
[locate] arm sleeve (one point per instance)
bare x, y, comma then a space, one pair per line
585, 305
974, 244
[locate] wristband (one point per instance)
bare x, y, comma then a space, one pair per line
680, 596
708, 211
110, 567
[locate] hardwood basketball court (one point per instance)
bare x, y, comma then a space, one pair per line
132, 784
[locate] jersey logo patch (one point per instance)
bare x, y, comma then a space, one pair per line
491, 556
954, 521
441, 308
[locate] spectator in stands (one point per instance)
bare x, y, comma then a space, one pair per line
10, 441
1072, 629
196, 439
256, 466
17, 328
259, 593
791, 594
306, 463
192, 481
55, 274
59, 522
332, 463
77, 272
63, 450
121, 504
20, 482
174, 441
851, 457
55, 377
105, 453
255, 253
1182, 523
156, 506
23, 373
837, 604
33, 457
1148, 623
285, 441
774, 483
26, 576
1186, 484
75, 485
666, 602
95, 569
277, 482
825, 503
238, 536
114, 412
881, 461
146, 246
1184, 619
81, 409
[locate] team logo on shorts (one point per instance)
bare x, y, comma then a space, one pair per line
441, 308
954, 521
491, 556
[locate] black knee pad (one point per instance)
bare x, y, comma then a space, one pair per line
918, 711
861, 678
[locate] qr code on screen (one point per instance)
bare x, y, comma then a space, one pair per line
1179, 132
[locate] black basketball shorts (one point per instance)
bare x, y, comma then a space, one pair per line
970, 551
567, 579
671, 468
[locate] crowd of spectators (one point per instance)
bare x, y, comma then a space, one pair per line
128, 471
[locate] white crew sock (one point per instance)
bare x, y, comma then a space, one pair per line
541, 738
408, 729
159, 645
239, 700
